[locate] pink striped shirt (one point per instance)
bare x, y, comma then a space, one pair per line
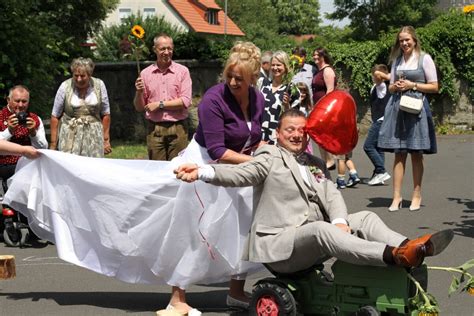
173, 83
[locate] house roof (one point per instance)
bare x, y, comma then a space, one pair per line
192, 12
210, 4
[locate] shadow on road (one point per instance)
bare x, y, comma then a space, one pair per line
464, 227
211, 301
379, 202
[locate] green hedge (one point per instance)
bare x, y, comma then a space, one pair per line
448, 39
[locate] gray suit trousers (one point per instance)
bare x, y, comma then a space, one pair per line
318, 241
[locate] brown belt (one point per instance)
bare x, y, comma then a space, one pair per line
168, 123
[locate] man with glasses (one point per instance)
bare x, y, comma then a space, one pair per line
163, 91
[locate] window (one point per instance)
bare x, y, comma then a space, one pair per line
212, 16
124, 13
149, 12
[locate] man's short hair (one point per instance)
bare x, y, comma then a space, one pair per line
267, 56
293, 112
17, 87
163, 35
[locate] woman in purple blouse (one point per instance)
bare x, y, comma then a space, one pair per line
230, 117
229, 130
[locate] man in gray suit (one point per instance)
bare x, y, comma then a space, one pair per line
300, 218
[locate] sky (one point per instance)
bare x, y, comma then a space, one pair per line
327, 6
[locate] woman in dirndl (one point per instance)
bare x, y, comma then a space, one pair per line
413, 72
82, 106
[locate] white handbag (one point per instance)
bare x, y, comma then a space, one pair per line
410, 104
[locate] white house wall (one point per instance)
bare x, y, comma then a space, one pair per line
161, 8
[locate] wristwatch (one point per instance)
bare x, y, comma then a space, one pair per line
162, 105
415, 86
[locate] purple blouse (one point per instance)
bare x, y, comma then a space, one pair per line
222, 123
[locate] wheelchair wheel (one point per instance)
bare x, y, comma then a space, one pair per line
270, 299
14, 236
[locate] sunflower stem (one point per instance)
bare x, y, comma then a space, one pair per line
138, 63
420, 290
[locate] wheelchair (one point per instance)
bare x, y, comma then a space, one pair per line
13, 224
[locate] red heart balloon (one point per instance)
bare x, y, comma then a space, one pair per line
332, 123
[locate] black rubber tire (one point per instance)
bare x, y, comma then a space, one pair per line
282, 296
367, 311
12, 237
25, 236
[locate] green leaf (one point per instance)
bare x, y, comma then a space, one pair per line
454, 286
466, 266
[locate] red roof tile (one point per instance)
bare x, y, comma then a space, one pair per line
210, 4
194, 16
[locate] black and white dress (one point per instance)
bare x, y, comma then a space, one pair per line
272, 111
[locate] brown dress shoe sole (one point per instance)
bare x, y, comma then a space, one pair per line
438, 242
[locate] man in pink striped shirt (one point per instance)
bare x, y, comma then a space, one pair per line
163, 91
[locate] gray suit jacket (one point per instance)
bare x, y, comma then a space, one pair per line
282, 200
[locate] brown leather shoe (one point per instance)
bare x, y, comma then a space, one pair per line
433, 243
409, 255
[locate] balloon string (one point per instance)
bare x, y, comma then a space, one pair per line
204, 240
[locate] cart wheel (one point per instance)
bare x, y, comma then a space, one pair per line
25, 236
12, 236
367, 311
269, 299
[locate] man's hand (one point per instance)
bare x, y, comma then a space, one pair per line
12, 123
344, 227
31, 126
30, 152
187, 172
139, 85
150, 107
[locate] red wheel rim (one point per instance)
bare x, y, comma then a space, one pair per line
267, 306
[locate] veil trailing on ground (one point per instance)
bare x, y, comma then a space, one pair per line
132, 220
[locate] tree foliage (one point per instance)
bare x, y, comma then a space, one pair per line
38, 40
298, 16
371, 18
112, 42
257, 19
448, 39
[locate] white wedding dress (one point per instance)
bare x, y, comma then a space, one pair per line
132, 219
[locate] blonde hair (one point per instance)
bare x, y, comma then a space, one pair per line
82, 62
397, 51
283, 58
246, 56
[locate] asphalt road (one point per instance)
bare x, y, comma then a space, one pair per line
45, 285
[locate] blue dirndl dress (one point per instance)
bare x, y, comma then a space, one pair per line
406, 132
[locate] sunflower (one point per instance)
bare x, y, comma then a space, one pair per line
138, 31
295, 59
468, 8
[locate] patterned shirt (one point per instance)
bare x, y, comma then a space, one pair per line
173, 83
21, 135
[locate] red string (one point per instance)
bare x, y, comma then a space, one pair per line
204, 240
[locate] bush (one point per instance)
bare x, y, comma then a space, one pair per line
111, 41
